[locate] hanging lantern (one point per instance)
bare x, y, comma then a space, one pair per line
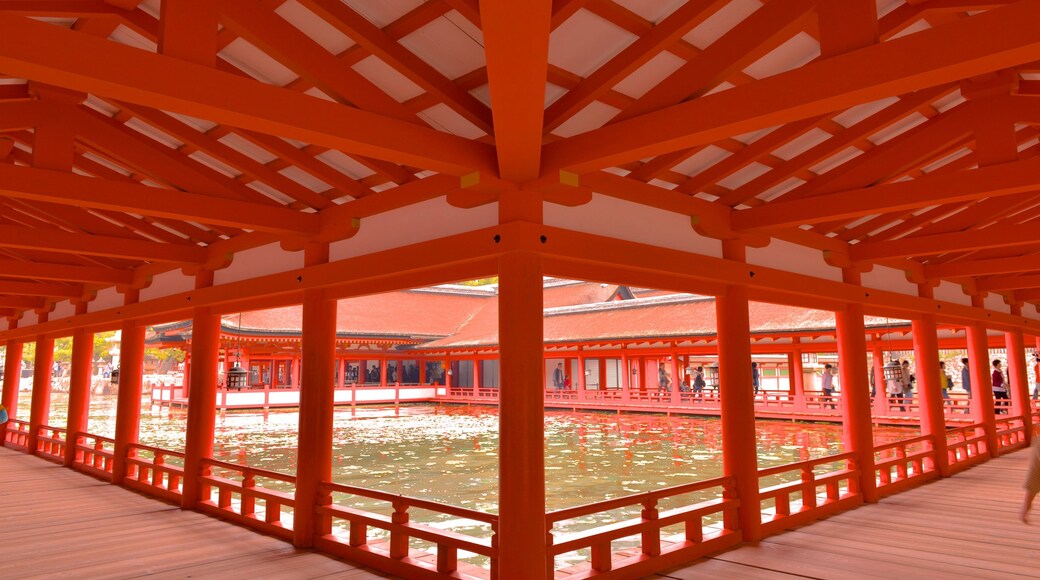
237, 377
114, 377
893, 371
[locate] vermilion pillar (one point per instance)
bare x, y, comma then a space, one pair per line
521, 457
39, 410
1019, 389
736, 393
858, 434
796, 377
878, 364
202, 410
926, 357
981, 382
521, 421
79, 386
12, 378
128, 402
317, 393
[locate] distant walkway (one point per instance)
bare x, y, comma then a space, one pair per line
961, 527
55, 522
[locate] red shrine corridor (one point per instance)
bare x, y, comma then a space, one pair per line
54, 521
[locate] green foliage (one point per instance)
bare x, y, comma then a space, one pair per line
480, 281
63, 348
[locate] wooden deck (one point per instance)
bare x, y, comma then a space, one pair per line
962, 527
55, 522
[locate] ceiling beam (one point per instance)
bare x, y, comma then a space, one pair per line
60, 57
48, 290
997, 236
962, 186
379, 43
1009, 282
64, 272
91, 192
22, 302
998, 39
516, 46
989, 267
74, 243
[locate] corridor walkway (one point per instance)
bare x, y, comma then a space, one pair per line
57, 523
961, 527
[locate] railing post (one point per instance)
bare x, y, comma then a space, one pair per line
248, 503
808, 486
398, 538
651, 539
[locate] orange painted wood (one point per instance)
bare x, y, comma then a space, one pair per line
516, 44
999, 38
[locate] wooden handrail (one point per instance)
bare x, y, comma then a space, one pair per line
636, 499
332, 487
798, 465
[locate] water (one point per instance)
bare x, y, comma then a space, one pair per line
450, 454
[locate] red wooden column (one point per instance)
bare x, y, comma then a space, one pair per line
40, 407
926, 356
796, 378
981, 380
739, 448
12, 377
79, 385
202, 410
580, 383
317, 394
1019, 390
858, 434
625, 378
128, 402
521, 463
878, 356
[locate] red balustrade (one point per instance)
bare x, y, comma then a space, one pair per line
966, 446
17, 434
237, 498
151, 473
836, 488
904, 464
1011, 433
50, 443
391, 551
94, 455
708, 526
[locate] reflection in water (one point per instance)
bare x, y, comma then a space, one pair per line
450, 454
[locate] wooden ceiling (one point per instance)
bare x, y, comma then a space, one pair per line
138, 138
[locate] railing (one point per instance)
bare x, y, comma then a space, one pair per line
1011, 433
391, 552
94, 455
17, 434
237, 499
489, 393
654, 552
826, 403
966, 446
50, 443
904, 464
149, 472
839, 487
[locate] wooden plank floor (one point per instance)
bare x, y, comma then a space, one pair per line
55, 522
962, 527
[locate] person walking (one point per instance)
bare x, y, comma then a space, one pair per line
965, 377
1000, 391
1032, 483
827, 384
756, 376
663, 380
698, 382
558, 377
945, 383
1036, 375
907, 379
